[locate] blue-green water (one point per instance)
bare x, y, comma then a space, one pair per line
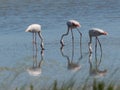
16, 53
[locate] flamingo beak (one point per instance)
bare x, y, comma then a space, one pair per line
105, 33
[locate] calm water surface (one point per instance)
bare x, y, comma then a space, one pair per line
16, 53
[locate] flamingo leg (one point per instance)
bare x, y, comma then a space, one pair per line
80, 42
72, 44
61, 41
96, 48
36, 49
90, 44
100, 49
42, 44
33, 42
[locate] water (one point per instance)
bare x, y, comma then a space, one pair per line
16, 54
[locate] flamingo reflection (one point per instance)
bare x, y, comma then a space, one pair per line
74, 66
35, 70
94, 69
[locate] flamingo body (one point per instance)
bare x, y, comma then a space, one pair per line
73, 24
94, 32
34, 28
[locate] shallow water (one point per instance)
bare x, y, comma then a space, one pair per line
16, 53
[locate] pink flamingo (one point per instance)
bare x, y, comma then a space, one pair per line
71, 24
35, 28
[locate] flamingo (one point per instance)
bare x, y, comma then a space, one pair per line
35, 28
95, 32
71, 24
